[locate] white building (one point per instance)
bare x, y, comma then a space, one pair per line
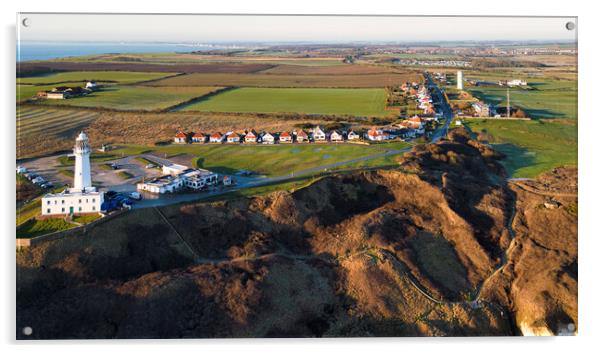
318, 135
267, 139
82, 197
173, 169
516, 83
460, 83
161, 185
176, 179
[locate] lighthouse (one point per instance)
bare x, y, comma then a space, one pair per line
82, 179
460, 81
82, 198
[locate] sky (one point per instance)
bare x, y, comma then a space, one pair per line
228, 28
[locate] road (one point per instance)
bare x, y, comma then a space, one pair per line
444, 108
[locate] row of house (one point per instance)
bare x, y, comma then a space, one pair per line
423, 97
252, 137
64, 92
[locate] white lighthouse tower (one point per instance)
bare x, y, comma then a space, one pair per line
82, 198
460, 81
82, 180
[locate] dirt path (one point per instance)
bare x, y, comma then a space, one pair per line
541, 192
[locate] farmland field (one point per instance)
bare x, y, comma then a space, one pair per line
359, 102
277, 80
100, 76
135, 97
144, 67
27, 91
531, 147
329, 70
39, 128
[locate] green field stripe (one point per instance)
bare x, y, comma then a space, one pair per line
64, 120
51, 119
76, 124
58, 129
49, 125
27, 110
31, 113
43, 115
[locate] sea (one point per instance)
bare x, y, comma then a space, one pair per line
30, 50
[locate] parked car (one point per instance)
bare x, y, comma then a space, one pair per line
149, 166
135, 195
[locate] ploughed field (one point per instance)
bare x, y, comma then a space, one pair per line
361, 102
44, 128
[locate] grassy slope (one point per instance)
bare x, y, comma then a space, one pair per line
363, 102
135, 97
106, 76
532, 147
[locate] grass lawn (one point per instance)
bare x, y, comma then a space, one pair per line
99, 76
34, 227
359, 102
85, 219
276, 160
532, 147
271, 160
548, 99
135, 97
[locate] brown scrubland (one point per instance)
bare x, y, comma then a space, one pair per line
441, 246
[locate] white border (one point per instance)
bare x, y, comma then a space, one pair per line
589, 154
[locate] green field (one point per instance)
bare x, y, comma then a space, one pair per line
135, 97
548, 99
99, 76
27, 91
290, 80
274, 160
532, 147
359, 102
